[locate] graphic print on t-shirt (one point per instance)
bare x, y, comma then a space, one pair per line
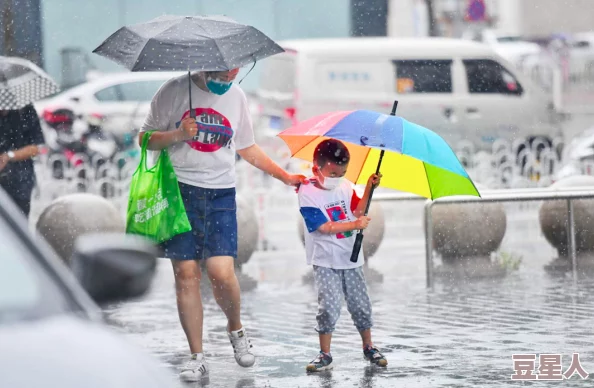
337, 213
214, 130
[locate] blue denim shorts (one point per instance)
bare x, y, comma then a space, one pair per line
213, 217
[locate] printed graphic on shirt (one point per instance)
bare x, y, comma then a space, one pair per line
337, 212
214, 130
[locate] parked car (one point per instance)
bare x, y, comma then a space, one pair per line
51, 331
581, 56
572, 54
513, 48
123, 99
578, 158
460, 89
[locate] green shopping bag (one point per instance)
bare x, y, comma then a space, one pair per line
155, 206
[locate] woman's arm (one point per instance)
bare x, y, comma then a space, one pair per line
19, 155
25, 153
163, 139
257, 158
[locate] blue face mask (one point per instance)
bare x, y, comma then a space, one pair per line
218, 87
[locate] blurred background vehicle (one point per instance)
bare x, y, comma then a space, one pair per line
578, 156
581, 55
52, 332
514, 48
122, 99
456, 87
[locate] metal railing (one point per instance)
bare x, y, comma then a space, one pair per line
568, 195
496, 196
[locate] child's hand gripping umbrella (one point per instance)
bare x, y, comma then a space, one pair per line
410, 157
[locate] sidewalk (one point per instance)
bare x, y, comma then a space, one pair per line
458, 335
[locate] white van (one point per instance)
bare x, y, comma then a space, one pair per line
460, 89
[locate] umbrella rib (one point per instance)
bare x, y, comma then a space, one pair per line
362, 165
157, 34
222, 56
428, 184
153, 38
305, 145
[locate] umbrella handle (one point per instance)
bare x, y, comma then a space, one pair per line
192, 112
359, 238
357, 247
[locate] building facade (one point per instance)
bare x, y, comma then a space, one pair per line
20, 32
73, 28
518, 17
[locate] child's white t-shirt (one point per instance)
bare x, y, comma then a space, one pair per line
224, 126
318, 206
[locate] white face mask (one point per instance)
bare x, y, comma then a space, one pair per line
330, 183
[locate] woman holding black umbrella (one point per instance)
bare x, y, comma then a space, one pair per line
202, 150
203, 120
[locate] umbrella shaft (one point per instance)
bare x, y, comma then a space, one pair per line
192, 113
359, 238
379, 165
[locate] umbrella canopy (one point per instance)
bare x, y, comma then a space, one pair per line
22, 82
415, 159
180, 43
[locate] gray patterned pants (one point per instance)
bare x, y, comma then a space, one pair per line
332, 284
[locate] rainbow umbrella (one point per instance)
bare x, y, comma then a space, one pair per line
410, 157
414, 158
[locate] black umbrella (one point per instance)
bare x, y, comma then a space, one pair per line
22, 82
180, 43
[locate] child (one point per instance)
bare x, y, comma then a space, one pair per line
332, 213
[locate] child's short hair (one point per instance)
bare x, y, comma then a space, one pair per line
331, 151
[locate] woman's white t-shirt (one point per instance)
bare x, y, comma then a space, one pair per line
224, 126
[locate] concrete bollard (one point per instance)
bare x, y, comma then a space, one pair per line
70, 216
553, 221
468, 230
247, 231
465, 235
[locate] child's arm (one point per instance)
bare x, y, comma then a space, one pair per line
331, 227
374, 180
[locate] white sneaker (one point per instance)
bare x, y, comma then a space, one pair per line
195, 369
242, 348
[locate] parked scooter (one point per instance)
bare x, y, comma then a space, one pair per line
74, 141
64, 139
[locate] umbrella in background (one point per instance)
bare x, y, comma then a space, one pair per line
186, 43
22, 82
410, 157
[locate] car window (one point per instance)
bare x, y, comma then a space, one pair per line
140, 91
27, 291
109, 94
423, 76
581, 44
509, 39
486, 76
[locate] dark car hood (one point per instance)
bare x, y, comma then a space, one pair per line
66, 351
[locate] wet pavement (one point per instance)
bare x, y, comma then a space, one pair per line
460, 334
